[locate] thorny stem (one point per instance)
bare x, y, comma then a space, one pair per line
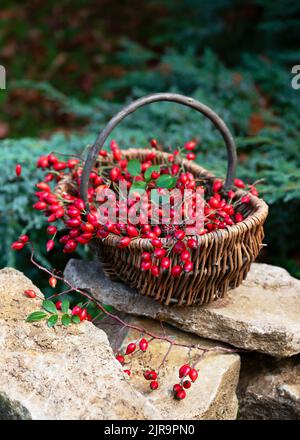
123, 323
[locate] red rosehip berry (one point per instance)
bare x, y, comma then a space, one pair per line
154, 144
188, 266
73, 222
146, 375
245, 199
192, 243
124, 242
183, 178
121, 359
214, 203
132, 231
217, 186
231, 194
30, 293
117, 154
42, 186
17, 246
159, 252
254, 191
239, 183
146, 256
130, 348
179, 234
175, 169
177, 388
176, 271
50, 245
51, 230
24, 238
153, 375
181, 394
191, 156
154, 385
157, 230
83, 314
165, 263
155, 175
189, 146
58, 305
128, 372
186, 384
114, 174
146, 265
79, 204
185, 255
18, 170
156, 242
40, 206
52, 158
179, 247
193, 374
76, 310
238, 217
52, 282
155, 271
184, 370
70, 246
143, 345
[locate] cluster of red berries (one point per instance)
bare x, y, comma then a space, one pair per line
81, 312
79, 227
77, 310
20, 243
187, 374
151, 375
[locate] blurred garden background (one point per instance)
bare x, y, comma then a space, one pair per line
71, 65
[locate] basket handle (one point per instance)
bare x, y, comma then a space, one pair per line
187, 101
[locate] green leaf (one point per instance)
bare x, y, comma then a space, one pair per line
75, 319
66, 320
149, 171
134, 167
65, 306
36, 316
52, 320
49, 306
166, 181
138, 186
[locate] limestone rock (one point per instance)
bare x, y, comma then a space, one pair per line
269, 388
263, 314
58, 373
211, 396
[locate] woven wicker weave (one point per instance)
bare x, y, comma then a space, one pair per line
222, 258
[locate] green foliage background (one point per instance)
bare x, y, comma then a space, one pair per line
234, 56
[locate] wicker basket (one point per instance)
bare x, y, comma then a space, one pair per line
222, 258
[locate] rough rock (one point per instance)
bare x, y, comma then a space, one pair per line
58, 373
269, 388
211, 396
263, 314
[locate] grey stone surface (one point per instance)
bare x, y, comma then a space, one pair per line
269, 388
263, 314
58, 373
